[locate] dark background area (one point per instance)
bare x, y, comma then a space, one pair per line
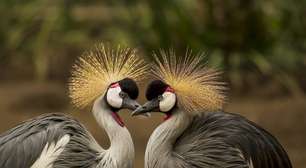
259, 44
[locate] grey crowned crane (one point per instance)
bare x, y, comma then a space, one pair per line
196, 132
103, 78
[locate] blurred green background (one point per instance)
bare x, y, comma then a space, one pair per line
259, 44
252, 40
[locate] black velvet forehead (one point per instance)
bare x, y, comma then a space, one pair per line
129, 86
155, 88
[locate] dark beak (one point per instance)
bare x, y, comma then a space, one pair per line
149, 106
138, 111
130, 104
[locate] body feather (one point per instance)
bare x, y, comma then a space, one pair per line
42, 134
224, 140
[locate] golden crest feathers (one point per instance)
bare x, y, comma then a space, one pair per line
96, 69
196, 86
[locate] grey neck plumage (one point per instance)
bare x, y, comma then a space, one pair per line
121, 151
160, 146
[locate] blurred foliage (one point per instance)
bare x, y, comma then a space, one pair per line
252, 40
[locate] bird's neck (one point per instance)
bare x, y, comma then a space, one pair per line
121, 150
160, 145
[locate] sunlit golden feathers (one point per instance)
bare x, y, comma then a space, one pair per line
196, 86
96, 69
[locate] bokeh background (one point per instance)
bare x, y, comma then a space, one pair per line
259, 44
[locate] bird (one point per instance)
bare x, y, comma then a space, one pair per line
104, 78
197, 132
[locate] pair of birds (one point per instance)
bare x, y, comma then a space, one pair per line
195, 133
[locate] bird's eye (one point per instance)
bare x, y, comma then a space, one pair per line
122, 94
160, 97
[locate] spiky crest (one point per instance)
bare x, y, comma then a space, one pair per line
196, 86
96, 69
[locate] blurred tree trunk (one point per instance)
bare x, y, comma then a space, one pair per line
41, 47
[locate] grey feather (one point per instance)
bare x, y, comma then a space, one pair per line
224, 140
33, 135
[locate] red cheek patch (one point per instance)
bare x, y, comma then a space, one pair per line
114, 85
169, 89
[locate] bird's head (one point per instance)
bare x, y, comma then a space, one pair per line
183, 82
107, 76
122, 95
161, 98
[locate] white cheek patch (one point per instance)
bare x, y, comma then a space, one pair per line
168, 101
113, 97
